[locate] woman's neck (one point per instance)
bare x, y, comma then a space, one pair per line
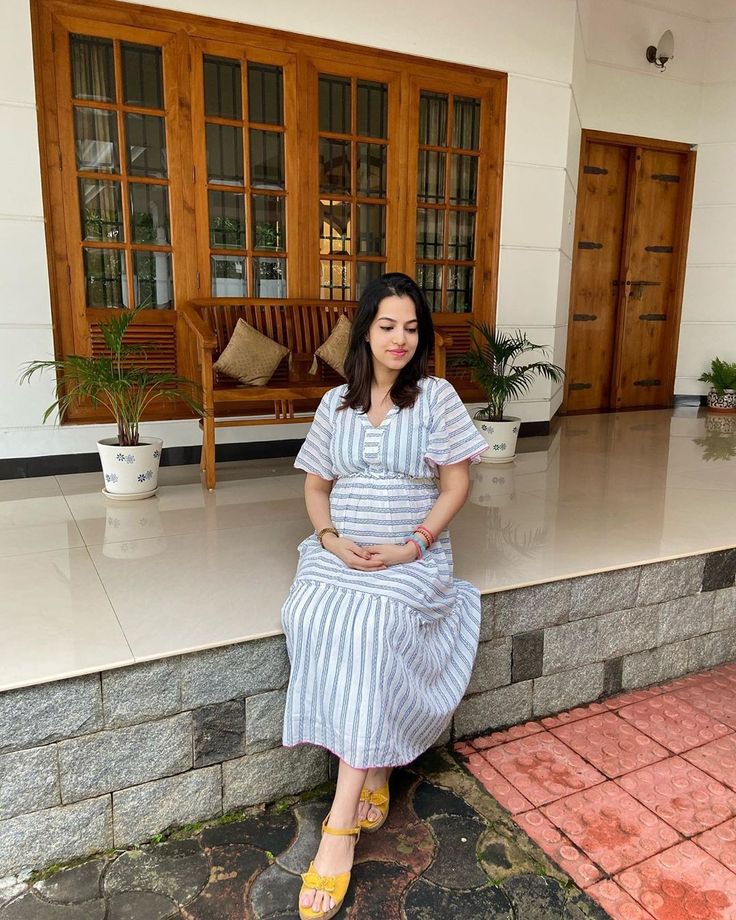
384, 379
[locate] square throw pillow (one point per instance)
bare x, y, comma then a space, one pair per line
250, 356
335, 349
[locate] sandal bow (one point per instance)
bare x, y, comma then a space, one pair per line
377, 798
312, 879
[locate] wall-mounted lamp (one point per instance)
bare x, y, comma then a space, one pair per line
663, 52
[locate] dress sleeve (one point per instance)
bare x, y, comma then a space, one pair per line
314, 454
452, 435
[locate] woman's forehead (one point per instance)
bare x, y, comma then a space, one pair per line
399, 309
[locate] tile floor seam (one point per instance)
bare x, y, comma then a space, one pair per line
109, 601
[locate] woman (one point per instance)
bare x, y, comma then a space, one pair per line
380, 636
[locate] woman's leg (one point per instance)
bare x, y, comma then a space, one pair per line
335, 854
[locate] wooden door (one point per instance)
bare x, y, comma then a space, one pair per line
634, 202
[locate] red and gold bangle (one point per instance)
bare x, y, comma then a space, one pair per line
426, 533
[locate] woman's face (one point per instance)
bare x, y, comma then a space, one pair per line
393, 335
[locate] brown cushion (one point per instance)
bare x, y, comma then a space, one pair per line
250, 356
335, 349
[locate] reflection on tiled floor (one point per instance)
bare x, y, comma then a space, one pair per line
634, 798
114, 583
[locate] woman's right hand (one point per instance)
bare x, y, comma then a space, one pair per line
354, 556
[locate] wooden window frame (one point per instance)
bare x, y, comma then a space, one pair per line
182, 36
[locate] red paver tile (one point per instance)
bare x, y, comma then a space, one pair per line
501, 790
688, 680
681, 794
542, 768
610, 826
616, 903
683, 883
673, 722
720, 842
715, 696
610, 744
631, 696
717, 759
559, 848
463, 748
574, 715
484, 742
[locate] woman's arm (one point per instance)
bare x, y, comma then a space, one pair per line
454, 488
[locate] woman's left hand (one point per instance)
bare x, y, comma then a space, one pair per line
393, 553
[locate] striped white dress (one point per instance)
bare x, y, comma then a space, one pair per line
380, 660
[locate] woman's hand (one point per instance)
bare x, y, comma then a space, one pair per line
393, 553
354, 556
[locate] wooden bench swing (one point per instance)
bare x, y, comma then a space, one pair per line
300, 325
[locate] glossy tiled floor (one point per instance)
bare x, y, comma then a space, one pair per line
634, 798
90, 584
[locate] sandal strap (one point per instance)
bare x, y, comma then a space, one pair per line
340, 831
377, 797
328, 883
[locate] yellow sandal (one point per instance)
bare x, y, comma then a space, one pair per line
335, 885
378, 798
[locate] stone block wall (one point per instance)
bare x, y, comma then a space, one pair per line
110, 759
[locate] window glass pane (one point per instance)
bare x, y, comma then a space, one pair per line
433, 119
224, 154
431, 176
462, 235
430, 233
459, 288
152, 280
463, 179
334, 166
334, 282
269, 277
142, 82
93, 68
146, 145
372, 229
96, 133
267, 159
265, 94
222, 88
227, 220
334, 227
149, 213
101, 212
105, 278
429, 279
228, 276
466, 124
269, 224
334, 104
372, 170
372, 108
365, 273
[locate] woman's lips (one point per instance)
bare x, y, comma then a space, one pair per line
398, 353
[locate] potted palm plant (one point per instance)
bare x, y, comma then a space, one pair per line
130, 462
491, 361
722, 393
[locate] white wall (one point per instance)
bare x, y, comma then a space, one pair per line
570, 65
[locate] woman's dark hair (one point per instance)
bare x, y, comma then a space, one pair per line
359, 360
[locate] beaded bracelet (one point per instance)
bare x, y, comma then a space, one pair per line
421, 540
427, 533
323, 532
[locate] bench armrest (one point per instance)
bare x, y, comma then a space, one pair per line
206, 338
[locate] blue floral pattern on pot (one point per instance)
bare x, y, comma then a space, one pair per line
501, 446
111, 477
156, 454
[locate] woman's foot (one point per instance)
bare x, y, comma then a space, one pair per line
375, 778
334, 856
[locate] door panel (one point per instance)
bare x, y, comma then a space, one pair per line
596, 291
650, 288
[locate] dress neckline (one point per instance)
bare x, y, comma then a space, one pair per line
387, 417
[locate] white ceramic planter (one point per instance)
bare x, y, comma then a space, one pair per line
725, 404
130, 472
501, 437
